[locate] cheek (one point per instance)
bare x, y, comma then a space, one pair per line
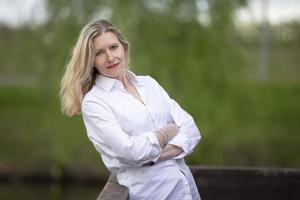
121, 52
98, 62
99, 66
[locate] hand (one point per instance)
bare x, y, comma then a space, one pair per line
169, 151
170, 130
164, 135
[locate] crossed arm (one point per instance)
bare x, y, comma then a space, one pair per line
164, 135
169, 151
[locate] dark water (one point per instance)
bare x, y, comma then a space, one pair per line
47, 192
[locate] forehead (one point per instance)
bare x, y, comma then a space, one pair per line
105, 40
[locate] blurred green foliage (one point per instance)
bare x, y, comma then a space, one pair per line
210, 68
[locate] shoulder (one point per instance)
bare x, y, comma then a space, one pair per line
92, 98
147, 80
92, 94
152, 84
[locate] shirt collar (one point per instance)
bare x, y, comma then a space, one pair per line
108, 83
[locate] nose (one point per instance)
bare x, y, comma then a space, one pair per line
110, 56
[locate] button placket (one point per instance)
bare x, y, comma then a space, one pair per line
144, 99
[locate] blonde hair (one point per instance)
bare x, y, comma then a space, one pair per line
79, 76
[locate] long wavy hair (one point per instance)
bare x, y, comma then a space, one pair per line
80, 74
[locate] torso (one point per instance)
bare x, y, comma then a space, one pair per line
138, 110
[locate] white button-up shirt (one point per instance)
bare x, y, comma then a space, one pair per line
122, 130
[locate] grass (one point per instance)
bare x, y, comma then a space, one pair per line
260, 127
35, 133
257, 128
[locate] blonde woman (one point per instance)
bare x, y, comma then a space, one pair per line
141, 133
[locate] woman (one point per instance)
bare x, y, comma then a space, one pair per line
141, 134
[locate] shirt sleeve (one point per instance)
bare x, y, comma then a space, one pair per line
115, 146
189, 135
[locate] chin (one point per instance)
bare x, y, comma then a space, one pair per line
114, 75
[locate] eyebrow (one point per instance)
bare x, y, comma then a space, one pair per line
97, 50
109, 46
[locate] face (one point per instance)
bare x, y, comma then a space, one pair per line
109, 55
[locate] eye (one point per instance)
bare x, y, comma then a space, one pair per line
99, 53
115, 46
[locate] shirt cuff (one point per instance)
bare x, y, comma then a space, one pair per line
156, 150
180, 140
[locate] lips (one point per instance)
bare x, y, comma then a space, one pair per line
113, 66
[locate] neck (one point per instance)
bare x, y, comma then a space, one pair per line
125, 79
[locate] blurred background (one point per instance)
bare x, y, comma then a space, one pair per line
232, 64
